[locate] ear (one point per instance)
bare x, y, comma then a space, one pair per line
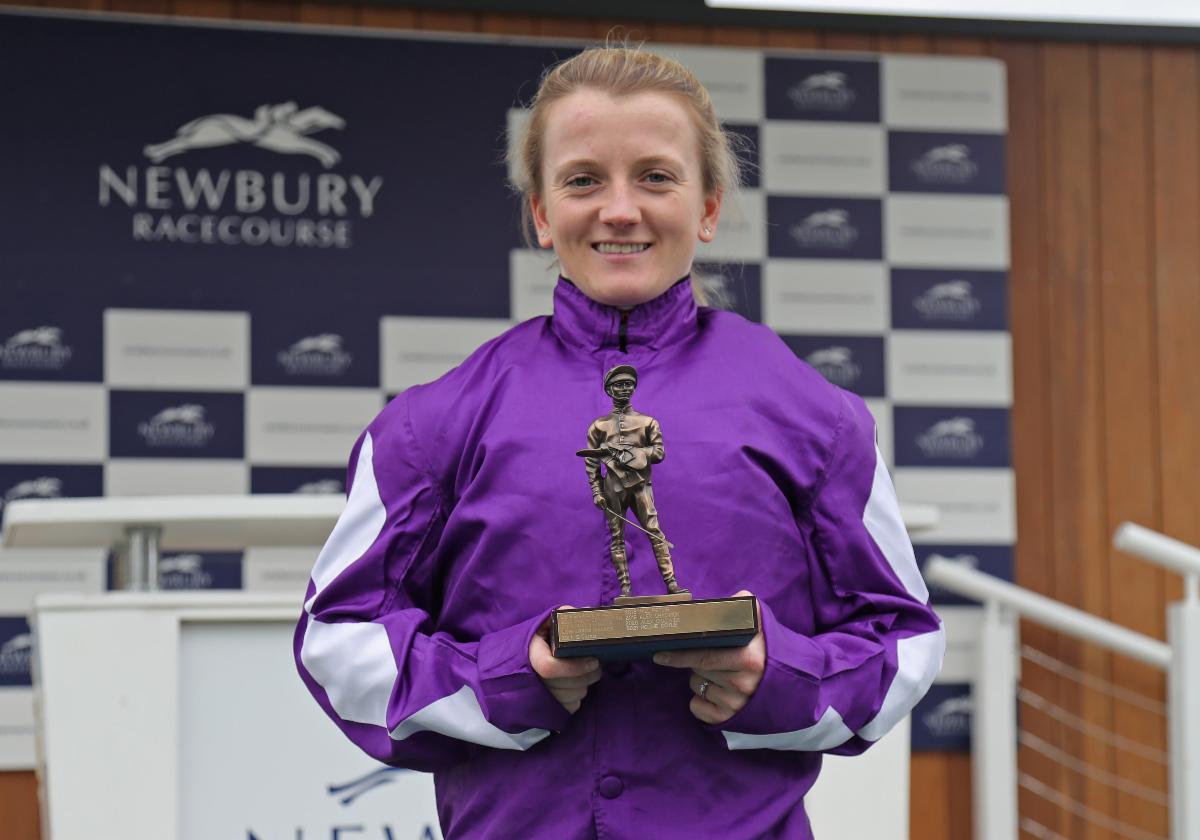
540, 220
712, 212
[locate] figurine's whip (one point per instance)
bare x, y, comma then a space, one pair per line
663, 540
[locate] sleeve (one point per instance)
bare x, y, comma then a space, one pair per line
878, 644
366, 646
654, 449
595, 437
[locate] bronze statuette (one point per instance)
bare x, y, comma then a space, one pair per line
622, 446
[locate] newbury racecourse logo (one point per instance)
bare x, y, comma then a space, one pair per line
826, 229
245, 206
39, 348
949, 164
322, 487
950, 718
43, 487
951, 301
952, 438
280, 128
836, 364
825, 91
181, 425
184, 571
320, 355
16, 653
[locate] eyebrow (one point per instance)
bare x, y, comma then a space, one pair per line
649, 160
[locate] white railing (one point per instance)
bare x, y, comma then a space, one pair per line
994, 736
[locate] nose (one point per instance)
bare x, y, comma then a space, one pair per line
620, 209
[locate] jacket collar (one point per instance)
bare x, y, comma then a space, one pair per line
657, 323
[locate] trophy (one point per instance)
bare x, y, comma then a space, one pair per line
622, 446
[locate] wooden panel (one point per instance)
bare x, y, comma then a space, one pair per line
1129, 354
204, 8
680, 33
849, 41
736, 36
19, 806
387, 18
448, 21
328, 13
905, 43
940, 796
1176, 160
272, 10
795, 39
1029, 324
1076, 397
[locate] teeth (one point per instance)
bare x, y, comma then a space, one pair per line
620, 248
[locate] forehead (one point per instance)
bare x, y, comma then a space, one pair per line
621, 377
593, 124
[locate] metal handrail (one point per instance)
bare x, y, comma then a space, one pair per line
1164, 551
965, 580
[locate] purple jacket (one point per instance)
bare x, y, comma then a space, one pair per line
469, 518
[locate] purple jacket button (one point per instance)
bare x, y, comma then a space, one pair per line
611, 787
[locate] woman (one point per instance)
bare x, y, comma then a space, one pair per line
469, 519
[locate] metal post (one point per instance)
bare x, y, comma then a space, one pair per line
137, 559
1183, 718
994, 727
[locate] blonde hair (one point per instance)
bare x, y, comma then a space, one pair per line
619, 69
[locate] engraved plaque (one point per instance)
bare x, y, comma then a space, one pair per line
639, 631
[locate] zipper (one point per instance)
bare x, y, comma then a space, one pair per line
623, 333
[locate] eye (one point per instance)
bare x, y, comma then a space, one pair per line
658, 177
581, 181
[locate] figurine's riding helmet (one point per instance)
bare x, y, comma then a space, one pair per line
620, 371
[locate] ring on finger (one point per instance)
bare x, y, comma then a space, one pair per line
702, 689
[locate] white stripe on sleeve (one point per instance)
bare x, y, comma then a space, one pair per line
353, 662
918, 660
825, 734
358, 526
886, 526
460, 716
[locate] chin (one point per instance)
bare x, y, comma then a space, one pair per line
625, 291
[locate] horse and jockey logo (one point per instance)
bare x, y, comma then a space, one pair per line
43, 487
326, 486
319, 355
15, 657
36, 348
954, 437
282, 128
824, 91
950, 718
829, 229
948, 164
953, 300
180, 425
836, 364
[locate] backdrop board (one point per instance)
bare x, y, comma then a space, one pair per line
278, 229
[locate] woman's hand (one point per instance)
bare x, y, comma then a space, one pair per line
567, 679
723, 679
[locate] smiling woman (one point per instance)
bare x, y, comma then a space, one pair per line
624, 167
468, 522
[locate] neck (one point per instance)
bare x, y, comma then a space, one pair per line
620, 405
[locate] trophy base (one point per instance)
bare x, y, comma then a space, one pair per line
655, 623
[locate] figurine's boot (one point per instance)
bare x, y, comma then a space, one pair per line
663, 555
621, 564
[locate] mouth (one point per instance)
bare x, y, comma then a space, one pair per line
621, 247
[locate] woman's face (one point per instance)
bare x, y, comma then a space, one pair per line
623, 201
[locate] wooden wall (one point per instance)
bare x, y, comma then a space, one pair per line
1104, 179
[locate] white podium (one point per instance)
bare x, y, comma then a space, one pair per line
181, 715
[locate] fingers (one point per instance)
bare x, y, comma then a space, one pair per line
726, 700
707, 712
707, 659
